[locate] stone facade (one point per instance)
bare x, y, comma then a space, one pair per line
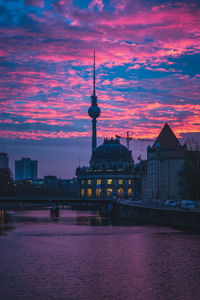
104, 184
165, 164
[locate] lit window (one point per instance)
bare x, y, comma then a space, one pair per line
120, 181
129, 192
109, 192
109, 181
120, 191
89, 181
98, 181
89, 192
129, 181
82, 193
82, 181
98, 193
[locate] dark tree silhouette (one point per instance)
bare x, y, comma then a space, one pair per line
6, 181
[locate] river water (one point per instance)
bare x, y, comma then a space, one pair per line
81, 256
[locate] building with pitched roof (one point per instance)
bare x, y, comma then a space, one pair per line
165, 165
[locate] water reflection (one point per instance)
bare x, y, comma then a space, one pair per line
66, 216
4, 222
54, 212
2, 219
83, 256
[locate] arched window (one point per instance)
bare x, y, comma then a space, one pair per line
98, 193
129, 192
120, 192
82, 193
109, 192
89, 192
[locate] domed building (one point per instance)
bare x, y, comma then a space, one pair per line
110, 173
111, 155
111, 169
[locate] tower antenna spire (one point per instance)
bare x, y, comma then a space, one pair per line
94, 111
94, 75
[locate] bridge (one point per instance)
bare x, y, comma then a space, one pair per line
27, 202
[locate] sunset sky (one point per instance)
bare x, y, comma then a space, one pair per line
148, 73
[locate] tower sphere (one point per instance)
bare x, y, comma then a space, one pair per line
94, 111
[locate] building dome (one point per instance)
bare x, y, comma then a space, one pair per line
112, 155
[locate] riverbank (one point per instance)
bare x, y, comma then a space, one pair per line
159, 216
127, 210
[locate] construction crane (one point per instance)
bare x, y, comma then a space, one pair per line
129, 138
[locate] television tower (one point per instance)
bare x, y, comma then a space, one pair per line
94, 112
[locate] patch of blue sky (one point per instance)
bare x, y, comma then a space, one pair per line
134, 74
188, 64
83, 4
111, 74
19, 7
156, 72
18, 102
12, 4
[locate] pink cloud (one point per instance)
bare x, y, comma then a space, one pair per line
35, 3
136, 66
39, 134
98, 3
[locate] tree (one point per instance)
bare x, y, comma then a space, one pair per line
6, 181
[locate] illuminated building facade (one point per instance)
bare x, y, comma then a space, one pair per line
110, 174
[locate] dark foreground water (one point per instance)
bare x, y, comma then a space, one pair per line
81, 256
